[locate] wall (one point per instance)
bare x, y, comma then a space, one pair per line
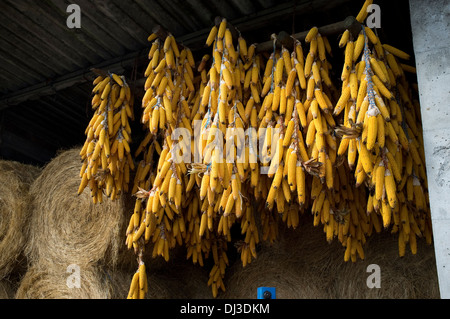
430, 23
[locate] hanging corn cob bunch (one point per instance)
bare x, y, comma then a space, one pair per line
283, 152
225, 163
270, 137
332, 194
161, 197
380, 135
106, 152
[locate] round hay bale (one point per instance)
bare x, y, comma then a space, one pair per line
71, 229
16, 179
408, 277
303, 265
53, 281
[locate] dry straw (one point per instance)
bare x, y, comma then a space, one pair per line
301, 264
53, 281
6, 290
15, 181
71, 229
408, 277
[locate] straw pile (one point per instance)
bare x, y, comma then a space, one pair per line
66, 229
16, 179
303, 265
70, 229
52, 281
409, 277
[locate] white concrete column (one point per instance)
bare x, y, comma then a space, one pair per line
430, 24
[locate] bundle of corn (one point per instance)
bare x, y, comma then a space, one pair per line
231, 82
14, 212
106, 152
66, 228
212, 188
161, 195
382, 134
318, 148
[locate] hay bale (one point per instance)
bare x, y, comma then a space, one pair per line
71, 229
16, 179
408, 277
302, 265
53, 281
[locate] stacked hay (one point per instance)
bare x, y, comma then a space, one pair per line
16, 179
45, 281
408, 277
69, 229
66, 229
302, 265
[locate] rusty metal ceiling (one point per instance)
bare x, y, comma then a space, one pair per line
45, 66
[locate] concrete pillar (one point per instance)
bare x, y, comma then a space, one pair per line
430, 24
